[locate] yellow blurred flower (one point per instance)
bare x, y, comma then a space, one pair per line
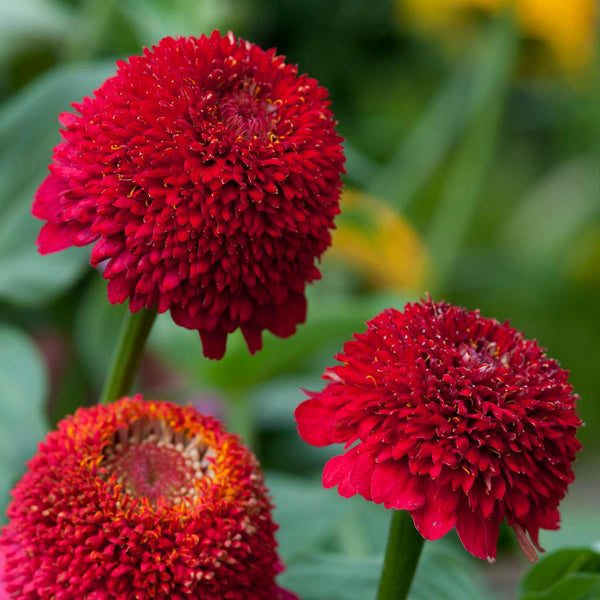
378, 244
566, 28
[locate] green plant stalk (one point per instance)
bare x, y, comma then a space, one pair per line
421, 152
126, 358
475, 152
401, 557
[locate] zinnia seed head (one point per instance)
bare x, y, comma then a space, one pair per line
453, 417
207, 174
140, 500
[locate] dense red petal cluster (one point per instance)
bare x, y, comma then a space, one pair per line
207, 173
453, 417
3, 593
141, 500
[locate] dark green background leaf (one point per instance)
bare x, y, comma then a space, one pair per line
23, 388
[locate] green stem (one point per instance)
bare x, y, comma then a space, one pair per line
134, 333
401, 557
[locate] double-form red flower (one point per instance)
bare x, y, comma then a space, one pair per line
453, 417
141, 500
207, 174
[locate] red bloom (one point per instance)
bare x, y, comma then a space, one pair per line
207, 172
141, 500
453, 417
3, 593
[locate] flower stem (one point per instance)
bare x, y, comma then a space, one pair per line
401, 557
123, 367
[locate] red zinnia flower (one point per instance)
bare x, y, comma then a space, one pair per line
140, 500
207, 172
3, 593
453, 417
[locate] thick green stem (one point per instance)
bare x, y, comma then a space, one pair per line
127, 354
401, 557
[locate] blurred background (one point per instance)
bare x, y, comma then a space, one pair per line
473, 145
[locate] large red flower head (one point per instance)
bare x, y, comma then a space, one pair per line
141, 500
207, 172
453, 417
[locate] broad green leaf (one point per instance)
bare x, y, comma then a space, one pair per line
421, 152
547, 221
23, 387
576, 586
27, 21
305, 512
439, 576
26, 277
442, 575
551, 574
28, 131
332, 577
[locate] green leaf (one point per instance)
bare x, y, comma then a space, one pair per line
548, 219
305, 512
575, 571
27, 21
28, 131
332, 577
422, 151
23, 387
577, 586
440, 576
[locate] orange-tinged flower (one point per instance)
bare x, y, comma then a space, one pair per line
456, 418
141, 500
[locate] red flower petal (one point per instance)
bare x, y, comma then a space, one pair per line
315, 423
455, 409
140, 500
218, 169
432, 521
393, 484
478, 535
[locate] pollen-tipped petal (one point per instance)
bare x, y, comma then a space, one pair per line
454, 417
137, 501
218, 168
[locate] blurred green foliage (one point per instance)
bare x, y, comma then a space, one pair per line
497, 170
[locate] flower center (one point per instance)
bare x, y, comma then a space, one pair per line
246, 115
152, 461
480, 355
